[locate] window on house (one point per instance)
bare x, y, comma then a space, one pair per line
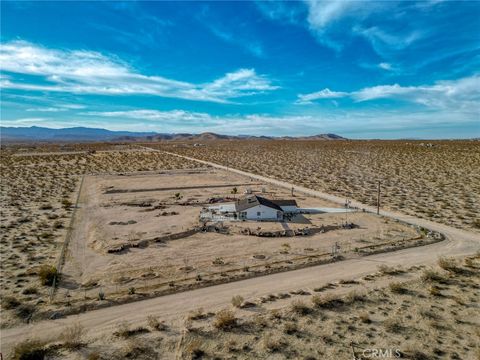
258, 213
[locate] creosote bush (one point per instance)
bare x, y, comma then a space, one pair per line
225, 319
47, 274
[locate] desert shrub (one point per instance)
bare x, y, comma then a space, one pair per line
299, 307
9, 302
193, 348
58, 224
136, 348
353, 297
66, 203
393, 325
449, 264
237, 301
30, 291
273, 343
197, 314
434, 290
387, 270
155, 324
397, 288
47, 274
125, 331
430, 275
46, 207
101, 295
290, 328
225, 319
25, 311
72, 336
327, 301
29, 350
365, 318
131, 290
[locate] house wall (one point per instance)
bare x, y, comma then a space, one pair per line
266, 213
226, 207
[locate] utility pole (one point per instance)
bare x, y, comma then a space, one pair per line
378, 198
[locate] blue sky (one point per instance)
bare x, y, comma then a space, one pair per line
359, 69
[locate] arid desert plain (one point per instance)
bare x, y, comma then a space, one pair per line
105, 253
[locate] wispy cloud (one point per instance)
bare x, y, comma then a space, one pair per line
89, 72
322, 94
463, 94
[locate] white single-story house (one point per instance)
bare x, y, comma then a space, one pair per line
252, 207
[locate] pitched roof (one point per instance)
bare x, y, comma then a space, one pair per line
285, 202
255, 200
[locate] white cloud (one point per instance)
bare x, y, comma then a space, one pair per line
45, 109
385, 66
154, 115
462, 93
88, 72
322, 94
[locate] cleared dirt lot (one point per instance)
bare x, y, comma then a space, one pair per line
122, 239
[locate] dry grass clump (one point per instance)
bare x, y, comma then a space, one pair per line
393, 325
273, 343
449, 264
328, 301
237, 301
29, 350
225, 319
397, 288
124, 330
193, 349
430, 275
72, 336
299, 307
388, 270
156, 324
10, 302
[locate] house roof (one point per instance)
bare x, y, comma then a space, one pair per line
255, 200
285, 202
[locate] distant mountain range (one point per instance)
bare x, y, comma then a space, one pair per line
83, 134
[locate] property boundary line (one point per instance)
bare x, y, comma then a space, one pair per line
61, 258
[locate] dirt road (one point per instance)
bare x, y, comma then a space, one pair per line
174, 307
